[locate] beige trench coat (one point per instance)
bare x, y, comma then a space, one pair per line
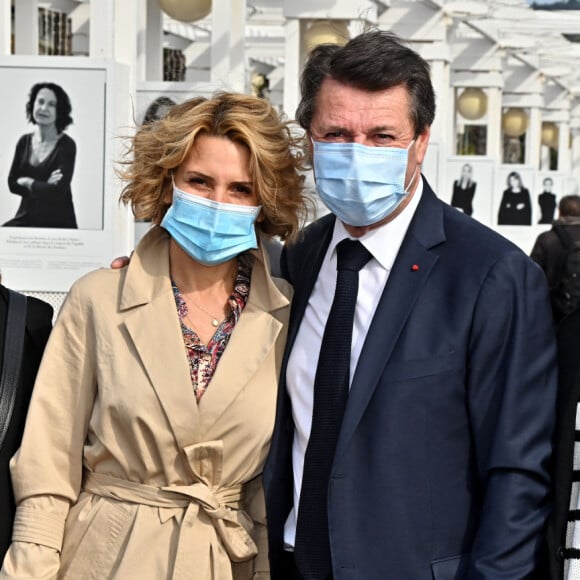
121, 474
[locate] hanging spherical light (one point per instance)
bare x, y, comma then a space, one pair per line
514, 122
472, 104
326, 32
550, 134
186, 10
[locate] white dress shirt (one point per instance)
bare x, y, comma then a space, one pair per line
383, 243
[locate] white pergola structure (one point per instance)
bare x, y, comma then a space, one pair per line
520, 61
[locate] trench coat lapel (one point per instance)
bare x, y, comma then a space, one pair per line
403, 287
147, 293
252, 339
153, 327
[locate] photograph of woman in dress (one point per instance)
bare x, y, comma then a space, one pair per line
515, 208
464, 190
44, 161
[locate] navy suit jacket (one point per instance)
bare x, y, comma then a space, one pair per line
441, 467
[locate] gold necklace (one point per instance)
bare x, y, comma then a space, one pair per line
214, 319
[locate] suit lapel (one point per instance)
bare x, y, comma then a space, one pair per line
403, 287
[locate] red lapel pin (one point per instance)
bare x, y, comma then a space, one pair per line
415, 267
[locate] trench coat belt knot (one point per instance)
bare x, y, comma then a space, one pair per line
208, 514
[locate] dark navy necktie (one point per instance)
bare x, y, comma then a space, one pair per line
331, 386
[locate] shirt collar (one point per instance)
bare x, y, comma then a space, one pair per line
384, 242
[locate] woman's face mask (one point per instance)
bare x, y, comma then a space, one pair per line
209, 231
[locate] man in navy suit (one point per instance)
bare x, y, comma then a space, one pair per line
441, 462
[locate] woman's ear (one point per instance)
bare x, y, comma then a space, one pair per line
168, 196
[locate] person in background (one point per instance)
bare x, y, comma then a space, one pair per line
547, 202
464, 190
154, 407
427, 453
37, 325
550, 251
44, 162
515, 207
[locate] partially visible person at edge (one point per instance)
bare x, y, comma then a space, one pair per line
440, 468
154, 407
563, 530
44, 162
549, 251
37, 326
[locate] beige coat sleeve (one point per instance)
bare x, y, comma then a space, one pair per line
47, 469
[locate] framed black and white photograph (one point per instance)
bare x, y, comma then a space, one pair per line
515, 214
549, 188
469, 186
513, 198
58, 196
154, 98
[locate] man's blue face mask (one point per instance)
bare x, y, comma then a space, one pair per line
209, 231
361, 185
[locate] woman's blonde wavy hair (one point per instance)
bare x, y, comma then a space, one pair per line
276, 158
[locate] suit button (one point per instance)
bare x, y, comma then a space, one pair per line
561, 553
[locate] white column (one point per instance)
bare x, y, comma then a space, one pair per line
494, 104
227, 45
26, 27
442, 128
564, 157
102, 31
125, 27
533, 141
5, 27
575, 162
150, 43
293, 65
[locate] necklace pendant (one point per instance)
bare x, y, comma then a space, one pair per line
215, 322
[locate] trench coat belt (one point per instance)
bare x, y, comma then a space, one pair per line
193, 549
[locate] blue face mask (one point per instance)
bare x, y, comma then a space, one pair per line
209, 231
361, 185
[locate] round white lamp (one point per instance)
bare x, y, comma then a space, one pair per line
186, 10
514, 122
550, 134
325, 32
472, 104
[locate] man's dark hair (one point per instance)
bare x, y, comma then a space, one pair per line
373, 61
63, 106
569, 206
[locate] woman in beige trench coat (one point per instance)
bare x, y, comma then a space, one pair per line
154, 404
